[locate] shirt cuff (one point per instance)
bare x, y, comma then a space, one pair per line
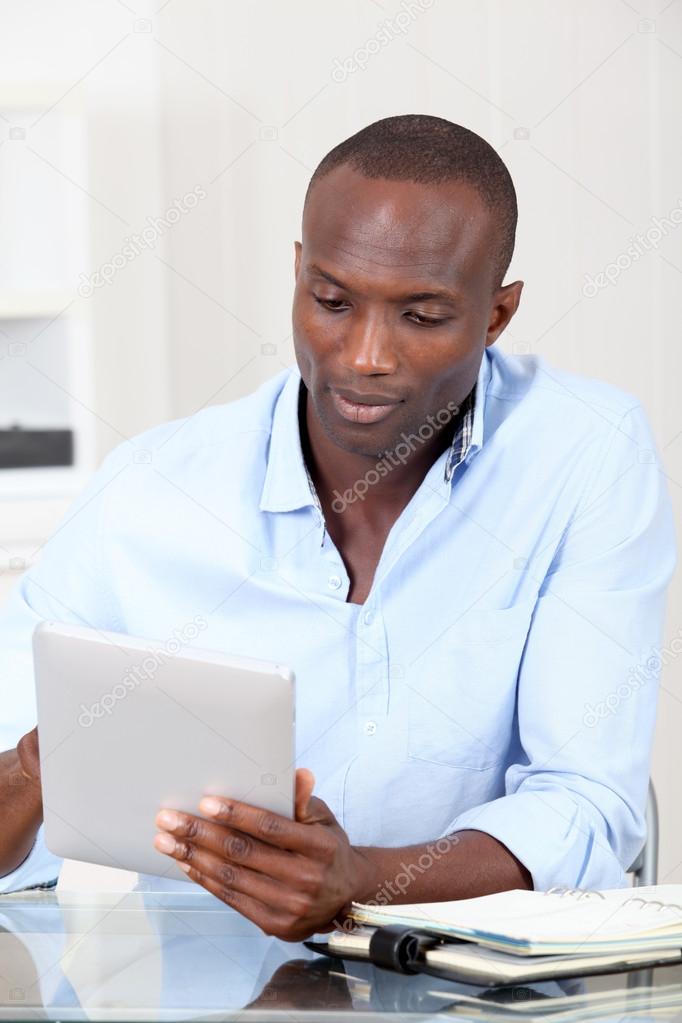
552, 835
39, 869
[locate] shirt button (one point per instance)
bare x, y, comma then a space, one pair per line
370, 727
334, 581
368, 617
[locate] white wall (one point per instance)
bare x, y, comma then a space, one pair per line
581, 98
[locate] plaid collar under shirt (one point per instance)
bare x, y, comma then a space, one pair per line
459, 448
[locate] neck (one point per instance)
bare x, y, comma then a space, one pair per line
376, 485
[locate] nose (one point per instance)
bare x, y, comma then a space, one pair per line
367, 348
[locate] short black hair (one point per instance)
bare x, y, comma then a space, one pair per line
432, 150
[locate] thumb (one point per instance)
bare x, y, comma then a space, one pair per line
305, 783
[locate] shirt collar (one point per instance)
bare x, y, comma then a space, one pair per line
288, 486
468, 437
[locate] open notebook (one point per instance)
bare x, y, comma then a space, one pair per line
623, 921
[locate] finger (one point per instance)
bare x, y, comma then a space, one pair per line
263, 916
305, 783
184, 830
28, 751
268, 826
317, 812
276, 896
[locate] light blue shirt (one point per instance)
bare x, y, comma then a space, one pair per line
501, 674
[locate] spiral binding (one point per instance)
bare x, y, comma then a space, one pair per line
587, 893
649, 903
579, 893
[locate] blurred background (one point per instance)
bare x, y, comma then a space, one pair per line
153, 163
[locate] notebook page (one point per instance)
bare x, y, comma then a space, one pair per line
537, 917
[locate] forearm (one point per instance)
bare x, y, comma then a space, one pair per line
461, 866
21, 811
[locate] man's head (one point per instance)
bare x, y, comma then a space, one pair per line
408, 230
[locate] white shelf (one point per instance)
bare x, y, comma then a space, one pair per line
18, 485
45, 228
38, 306
45, 331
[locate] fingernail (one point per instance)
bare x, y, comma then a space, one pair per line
167, 819
210, 806
164, 843
184, 866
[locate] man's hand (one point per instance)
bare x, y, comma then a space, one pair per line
292, 878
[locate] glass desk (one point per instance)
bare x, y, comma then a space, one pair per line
167, 956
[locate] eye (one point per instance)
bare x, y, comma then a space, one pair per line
425, 321
333, 305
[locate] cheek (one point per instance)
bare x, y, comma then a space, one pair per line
310, 344
444, 367
438, 353
312, 330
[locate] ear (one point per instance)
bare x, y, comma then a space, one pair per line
297, 259
504, 304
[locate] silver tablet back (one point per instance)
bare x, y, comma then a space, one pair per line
125, 730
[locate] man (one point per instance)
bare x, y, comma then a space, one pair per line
462, 555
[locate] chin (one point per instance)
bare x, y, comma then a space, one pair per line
354, 445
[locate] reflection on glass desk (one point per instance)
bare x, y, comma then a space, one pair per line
145, 955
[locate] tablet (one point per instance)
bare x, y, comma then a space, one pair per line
126, 728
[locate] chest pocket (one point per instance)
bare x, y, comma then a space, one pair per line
461, 695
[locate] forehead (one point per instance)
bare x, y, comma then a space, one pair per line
398, 230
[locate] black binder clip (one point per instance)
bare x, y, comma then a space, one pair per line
398, 948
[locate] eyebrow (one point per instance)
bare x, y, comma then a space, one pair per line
414, 296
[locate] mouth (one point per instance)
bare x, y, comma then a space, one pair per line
365, 408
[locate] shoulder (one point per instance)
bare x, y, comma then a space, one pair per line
217, 457
230, 431
215, 425
536, 397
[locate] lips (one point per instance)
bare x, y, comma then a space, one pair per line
365, 408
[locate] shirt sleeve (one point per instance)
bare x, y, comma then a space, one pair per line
573, 808
68, 583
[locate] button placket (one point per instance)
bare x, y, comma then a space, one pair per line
372, 674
